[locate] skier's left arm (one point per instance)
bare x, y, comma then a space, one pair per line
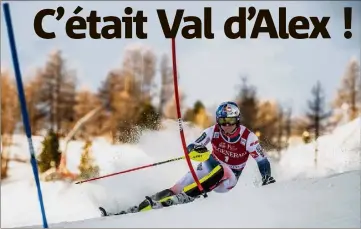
257, 152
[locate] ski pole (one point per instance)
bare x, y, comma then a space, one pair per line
203, 156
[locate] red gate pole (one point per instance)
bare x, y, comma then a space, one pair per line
175, 80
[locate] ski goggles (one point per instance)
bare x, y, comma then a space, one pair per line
227, 121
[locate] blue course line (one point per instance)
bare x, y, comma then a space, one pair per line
24, 112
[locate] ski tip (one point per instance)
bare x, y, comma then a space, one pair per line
102, 212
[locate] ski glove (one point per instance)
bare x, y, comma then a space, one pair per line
198, 152
197, 148
200, 149
267, 179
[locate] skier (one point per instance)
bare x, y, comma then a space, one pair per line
219, 171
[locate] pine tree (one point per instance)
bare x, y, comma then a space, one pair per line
87, 167
201, 117
198, 115
317, 114
247, 102
50, 155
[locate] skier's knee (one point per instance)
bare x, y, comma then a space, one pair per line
224, 186
208, 182
228, 181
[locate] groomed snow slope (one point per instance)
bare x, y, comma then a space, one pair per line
304, 196
327, 202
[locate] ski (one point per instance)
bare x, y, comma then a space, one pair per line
105, 213
146, 205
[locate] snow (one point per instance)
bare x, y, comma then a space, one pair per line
305, 195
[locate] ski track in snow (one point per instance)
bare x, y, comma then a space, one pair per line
304, 196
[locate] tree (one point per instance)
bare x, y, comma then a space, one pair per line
349, 93
58, 92
170, 107
36, 110
108, 94
50, 155
198, 115
189, 115
126, 93
317, 114
280, 128
10, 115
87, 167
140, 63
167, 88
127, 109
288, 125
120, 93
86, 101
299, 125
247, 102
201, 118
266, 124
148, 117
108, 87
10, 110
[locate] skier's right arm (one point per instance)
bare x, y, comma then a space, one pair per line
199, 145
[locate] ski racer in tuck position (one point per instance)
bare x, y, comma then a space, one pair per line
232, 143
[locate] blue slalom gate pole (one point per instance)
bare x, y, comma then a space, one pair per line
24, 112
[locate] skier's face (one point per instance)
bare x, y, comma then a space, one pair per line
228, 124
228, 129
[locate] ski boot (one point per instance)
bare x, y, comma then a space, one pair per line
191, 192
164, 198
